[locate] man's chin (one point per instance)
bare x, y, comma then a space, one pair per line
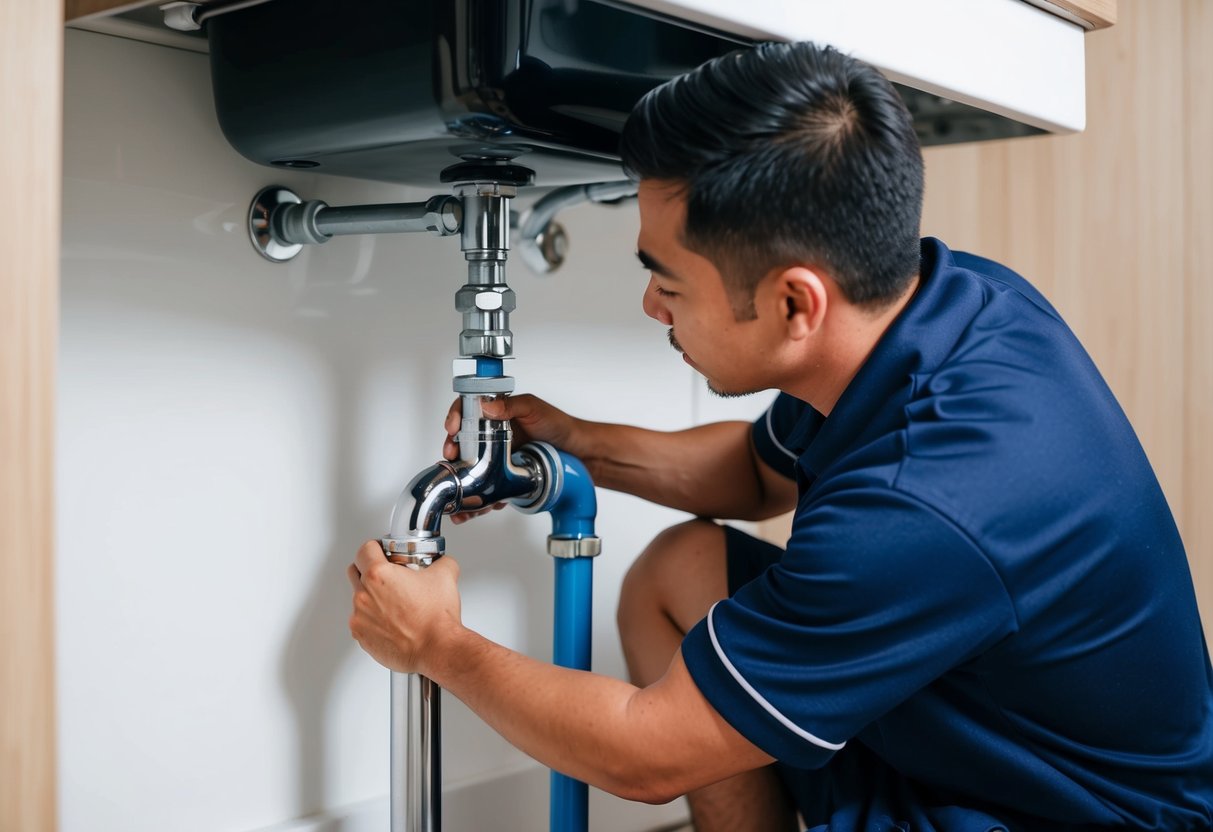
722, 393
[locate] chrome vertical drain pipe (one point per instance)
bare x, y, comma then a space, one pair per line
416, 765
484, 472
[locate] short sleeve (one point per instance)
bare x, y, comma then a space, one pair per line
877, 596
783, 432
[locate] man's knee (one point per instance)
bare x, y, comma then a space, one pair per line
680, 574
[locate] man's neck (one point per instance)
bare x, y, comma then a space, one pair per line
851, 335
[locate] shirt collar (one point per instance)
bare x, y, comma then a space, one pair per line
917, 341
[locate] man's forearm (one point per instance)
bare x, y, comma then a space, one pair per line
707, 470
710, 470
650, 744
566, 719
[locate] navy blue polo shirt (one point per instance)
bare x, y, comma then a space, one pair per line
984, 586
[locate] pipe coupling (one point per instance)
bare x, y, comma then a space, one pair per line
575, 547
540, 459
415, 552
295, 223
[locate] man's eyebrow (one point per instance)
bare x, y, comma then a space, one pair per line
652, 264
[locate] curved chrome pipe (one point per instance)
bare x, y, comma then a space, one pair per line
485, 472
419, 509
541, 240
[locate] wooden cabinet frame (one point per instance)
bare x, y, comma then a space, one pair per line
31, 72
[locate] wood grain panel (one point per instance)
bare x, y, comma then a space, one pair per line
1096, 14
1104, 224
1197, 517
31, 57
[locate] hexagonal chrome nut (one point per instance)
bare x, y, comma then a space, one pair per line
488, 301
470, 298
496, 345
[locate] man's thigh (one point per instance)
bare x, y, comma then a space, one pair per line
688, 568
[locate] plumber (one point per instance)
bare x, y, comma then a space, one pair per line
983, 618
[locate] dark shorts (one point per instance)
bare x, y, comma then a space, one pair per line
855, 791
747, 557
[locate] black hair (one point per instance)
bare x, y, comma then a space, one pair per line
788, 153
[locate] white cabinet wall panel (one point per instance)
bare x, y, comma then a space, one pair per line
230, 430
1005, 56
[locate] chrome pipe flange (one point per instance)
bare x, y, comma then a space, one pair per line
260, 214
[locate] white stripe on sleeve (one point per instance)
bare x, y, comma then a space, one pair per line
759, 698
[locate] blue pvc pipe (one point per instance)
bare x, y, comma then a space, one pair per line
574, 600
490, 367
574, 594
573, 510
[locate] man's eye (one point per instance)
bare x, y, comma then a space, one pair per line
664, 293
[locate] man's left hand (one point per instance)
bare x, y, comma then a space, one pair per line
400, 614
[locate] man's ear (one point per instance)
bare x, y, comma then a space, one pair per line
802, 298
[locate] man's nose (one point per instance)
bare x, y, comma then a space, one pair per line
653, 306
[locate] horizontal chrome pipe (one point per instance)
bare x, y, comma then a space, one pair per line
314, 221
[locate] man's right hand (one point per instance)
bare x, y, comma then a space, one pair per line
531, 419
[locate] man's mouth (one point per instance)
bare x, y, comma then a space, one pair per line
674, 343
